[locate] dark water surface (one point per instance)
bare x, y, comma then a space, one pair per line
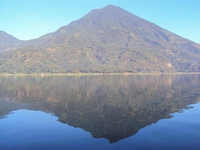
100, 112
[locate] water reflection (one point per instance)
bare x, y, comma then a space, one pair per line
111, 107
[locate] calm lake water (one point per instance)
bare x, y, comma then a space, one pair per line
100, 112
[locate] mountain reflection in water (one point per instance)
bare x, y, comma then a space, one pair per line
111, 107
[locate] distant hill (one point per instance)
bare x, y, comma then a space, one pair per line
8, 42
105, 40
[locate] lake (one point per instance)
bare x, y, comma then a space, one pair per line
100, 112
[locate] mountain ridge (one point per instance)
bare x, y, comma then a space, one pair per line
109, 39
8, 42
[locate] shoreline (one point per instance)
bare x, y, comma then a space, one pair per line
97, 74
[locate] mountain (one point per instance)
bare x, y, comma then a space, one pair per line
8, 42
105, 40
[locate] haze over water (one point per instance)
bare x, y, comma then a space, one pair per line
100, 112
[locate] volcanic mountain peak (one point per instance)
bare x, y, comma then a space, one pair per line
110, 39
109, 16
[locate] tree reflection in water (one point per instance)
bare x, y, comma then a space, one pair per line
112, 107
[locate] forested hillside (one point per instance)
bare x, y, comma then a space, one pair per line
105, 40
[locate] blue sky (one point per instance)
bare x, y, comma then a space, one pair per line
28, 19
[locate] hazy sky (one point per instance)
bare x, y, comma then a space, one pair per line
28, 19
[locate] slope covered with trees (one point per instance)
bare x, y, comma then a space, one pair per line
105, 40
